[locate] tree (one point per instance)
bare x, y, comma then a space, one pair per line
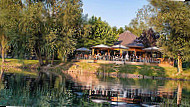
142, 21
9, 12
32, 29
114, 29
48, 28
120, 30
69, 26
172, 21
99, 32
136, 27
148, 38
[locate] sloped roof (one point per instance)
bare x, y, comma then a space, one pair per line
82, 49
119, 46
134, 44
127, 37
151, 49
101, 46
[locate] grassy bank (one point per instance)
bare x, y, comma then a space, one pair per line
20, 63
20, 66
146, 70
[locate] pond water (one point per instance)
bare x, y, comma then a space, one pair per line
83, 89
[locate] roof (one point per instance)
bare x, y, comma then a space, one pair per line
127, 37
101, 46
134, 44
82, 49
151, 49
119, 46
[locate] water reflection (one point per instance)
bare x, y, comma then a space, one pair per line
73, 89
131, 91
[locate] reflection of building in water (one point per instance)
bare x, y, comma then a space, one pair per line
128, 94
116, 91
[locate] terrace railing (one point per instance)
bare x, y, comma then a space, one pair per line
118, 58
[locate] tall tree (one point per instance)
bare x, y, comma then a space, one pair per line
142, 21
33, 29
9, 10
48, 28
172, 21
99, 33
69, 24
148, 38
120, 30
136, 27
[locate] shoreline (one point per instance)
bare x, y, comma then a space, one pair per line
108, 69
125, 75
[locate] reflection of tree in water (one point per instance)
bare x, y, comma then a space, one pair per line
44, 90
167, 92
48, 89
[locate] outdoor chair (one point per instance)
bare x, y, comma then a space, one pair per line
89, 57
100, 57
121, 58
115, 58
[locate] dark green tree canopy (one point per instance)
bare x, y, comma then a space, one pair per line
148, 38
98, 32
172, 21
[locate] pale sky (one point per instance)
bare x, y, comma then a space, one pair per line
116, 12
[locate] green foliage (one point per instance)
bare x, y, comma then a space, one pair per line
99, 32
142, 21
9, 11
172, 21
43, 28
120, 30
149, 38
135, 27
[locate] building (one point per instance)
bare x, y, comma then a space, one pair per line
128, 39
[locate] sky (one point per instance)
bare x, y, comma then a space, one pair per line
116, 12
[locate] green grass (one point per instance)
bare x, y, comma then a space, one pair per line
24, 72
16, 65
146, 70
19, 62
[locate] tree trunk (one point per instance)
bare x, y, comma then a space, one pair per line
1, 74
180, 69
3, 55
3, 48
52, 61
46, 59
39, 56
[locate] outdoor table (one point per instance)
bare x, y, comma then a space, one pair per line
160, 60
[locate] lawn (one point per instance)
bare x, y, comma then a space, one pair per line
19, 63
146, 70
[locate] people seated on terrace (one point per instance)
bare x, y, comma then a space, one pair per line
126, 57
136, 58
85, 56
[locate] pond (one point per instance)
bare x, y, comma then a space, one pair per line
83, 89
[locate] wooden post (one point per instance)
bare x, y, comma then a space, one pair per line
92, 51
121, 51
135, 53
